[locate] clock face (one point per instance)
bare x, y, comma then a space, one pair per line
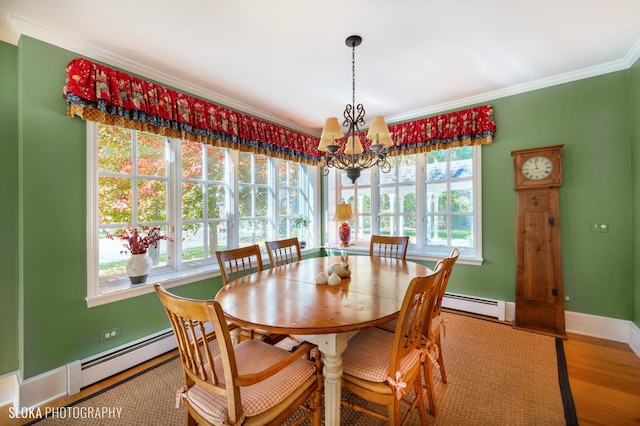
537, 168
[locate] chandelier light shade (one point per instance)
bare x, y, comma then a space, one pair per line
344, 214
349, 153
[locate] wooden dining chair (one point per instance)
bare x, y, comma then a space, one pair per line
240, 262
250, 383
380, 367
282, 252
437, 323
389, 246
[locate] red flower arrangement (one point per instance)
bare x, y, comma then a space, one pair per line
138, 242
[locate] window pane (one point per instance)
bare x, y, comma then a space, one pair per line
261, 173
436, 165
462, 196
462, 231
217, 202
295, 171
283, 174
152, 201
111, 261
114, 200
245, 168
192, 242
283, 226
262, 228
436, 232
219, 236
461, 164
245, 202
406, 168
387, 199
114, 149
436, 198
385, 225
192, 197
191, 160
262, 202
151, 155
364, 201
347, 196
246, 233
216, 164
364, 227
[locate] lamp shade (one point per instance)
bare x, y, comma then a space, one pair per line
353, 148
324, 142
343, 213
377, 128
332, 129
386, 140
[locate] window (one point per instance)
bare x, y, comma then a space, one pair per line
433, 198
206, 198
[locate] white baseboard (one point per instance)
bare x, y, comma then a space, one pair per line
9, 388
596, 326
634, 338
64, 380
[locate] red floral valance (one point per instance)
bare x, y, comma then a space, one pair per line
98, 93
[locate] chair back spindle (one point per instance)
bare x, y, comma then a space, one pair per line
394, 247
237, 263
283, 252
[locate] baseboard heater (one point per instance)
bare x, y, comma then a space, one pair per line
475, 305
91, 370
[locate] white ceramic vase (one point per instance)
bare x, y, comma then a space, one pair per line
138, 267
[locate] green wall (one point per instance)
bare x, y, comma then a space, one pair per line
591, 117
634, 108
9, 207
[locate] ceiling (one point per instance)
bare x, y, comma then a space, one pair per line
286, 60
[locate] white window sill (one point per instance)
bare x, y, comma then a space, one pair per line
362, 248
123, 289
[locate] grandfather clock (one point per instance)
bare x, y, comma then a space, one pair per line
539, 287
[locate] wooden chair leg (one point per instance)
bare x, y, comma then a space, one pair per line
316, 398
428, 383
421, 408
441, 361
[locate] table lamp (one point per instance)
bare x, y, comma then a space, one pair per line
344, 214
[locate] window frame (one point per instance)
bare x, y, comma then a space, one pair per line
179, 272
471, 256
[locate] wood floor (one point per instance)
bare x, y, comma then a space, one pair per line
604, 378
605, 381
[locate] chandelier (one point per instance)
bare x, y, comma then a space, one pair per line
348, 153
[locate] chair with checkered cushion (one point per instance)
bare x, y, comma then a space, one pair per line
436, 328
283, 252
252, 383
240, 262
380, 366
389, 246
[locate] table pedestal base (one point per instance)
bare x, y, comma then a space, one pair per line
332, 346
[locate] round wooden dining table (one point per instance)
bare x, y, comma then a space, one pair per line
287, 300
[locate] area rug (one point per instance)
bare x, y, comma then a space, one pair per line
497, 375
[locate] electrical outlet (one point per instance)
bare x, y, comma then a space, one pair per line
599, 225
109, 334
567, 297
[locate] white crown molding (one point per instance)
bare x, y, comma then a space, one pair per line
609, 67
12, 27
